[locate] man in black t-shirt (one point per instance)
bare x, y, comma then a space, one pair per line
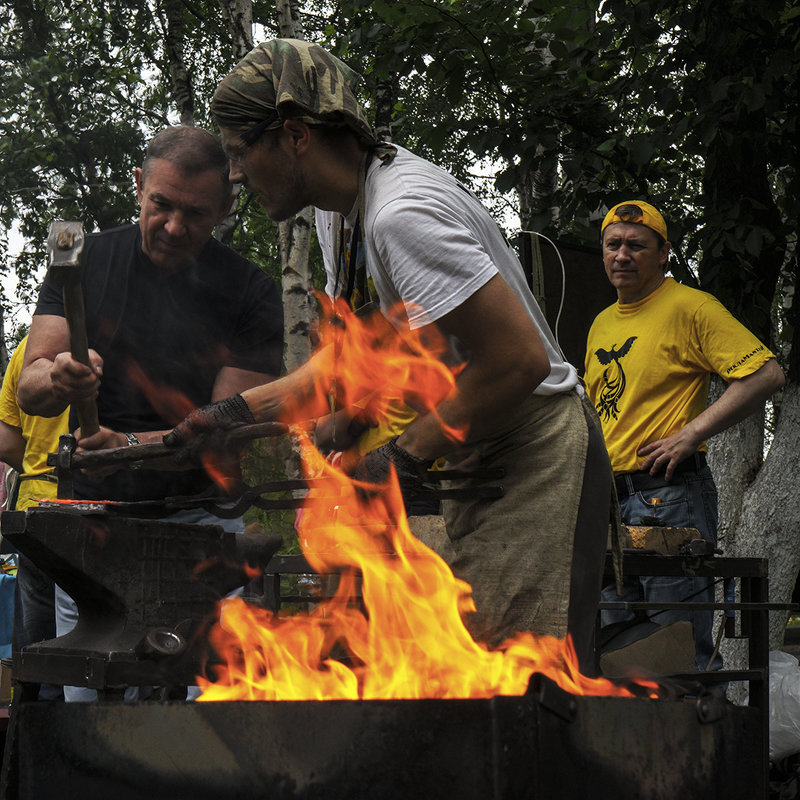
174, 319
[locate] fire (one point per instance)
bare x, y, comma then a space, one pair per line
368, 364
222, 466
404, 637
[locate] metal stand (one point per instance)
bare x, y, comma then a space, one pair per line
752, 612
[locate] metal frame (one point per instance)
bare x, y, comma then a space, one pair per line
727, 733
753, 611
754, 607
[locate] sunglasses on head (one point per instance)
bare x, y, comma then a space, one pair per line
629, 213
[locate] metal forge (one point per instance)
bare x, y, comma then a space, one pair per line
147, 592
544, 745
144, 607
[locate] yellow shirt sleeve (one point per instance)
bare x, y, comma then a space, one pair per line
40, 435
9, 410
398, 418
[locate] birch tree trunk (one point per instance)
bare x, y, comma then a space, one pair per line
238, 16
385, 94
294, 235
536, 197
294, 238
537, 189
759, 512
174, 35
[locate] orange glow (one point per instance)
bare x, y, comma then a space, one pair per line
96, 525
69, 501
369, 364
407, 641
168, 403
209, 563
223, 467
403, 636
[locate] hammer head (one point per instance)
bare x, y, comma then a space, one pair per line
64, 247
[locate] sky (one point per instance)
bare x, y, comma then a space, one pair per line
16, 313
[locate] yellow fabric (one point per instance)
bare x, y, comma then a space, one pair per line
648, 365
399, 417
40, 435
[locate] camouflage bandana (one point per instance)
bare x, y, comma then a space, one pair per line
293, 79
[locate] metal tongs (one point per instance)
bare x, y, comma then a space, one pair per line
66, 460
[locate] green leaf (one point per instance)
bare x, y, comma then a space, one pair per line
753, 242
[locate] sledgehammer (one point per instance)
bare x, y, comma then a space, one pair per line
64, 247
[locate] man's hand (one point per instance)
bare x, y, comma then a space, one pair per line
374, 467
666, 454
338, 432
104, 439
222, 415
203, 434
743, 397
72, 380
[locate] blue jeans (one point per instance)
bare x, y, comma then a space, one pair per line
689, 501
67, 610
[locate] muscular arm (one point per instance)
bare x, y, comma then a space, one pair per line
742, 397
12, 446
51, 379
269, 402
507, 361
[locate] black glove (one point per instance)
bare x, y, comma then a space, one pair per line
224, 414
374, 467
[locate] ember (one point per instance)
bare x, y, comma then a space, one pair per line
408, 640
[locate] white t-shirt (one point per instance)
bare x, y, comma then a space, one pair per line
431, 245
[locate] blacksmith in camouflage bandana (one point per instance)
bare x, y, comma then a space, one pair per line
434, 256
290, 79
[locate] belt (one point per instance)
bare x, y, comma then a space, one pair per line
644, 480
45, 476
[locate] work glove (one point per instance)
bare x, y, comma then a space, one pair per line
374, 467
220, 416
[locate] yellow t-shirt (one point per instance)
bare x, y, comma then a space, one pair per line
40, 435
648, 365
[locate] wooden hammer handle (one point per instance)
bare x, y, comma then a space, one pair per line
79, 347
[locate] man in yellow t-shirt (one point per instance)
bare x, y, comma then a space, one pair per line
649, 358
25, 441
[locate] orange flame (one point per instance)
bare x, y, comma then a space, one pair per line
407, 642
404, 636
173, 406
369, 364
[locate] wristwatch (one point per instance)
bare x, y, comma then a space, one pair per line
132, 439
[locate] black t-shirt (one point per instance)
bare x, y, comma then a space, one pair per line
164, 336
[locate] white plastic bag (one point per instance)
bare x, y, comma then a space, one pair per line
784, 705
